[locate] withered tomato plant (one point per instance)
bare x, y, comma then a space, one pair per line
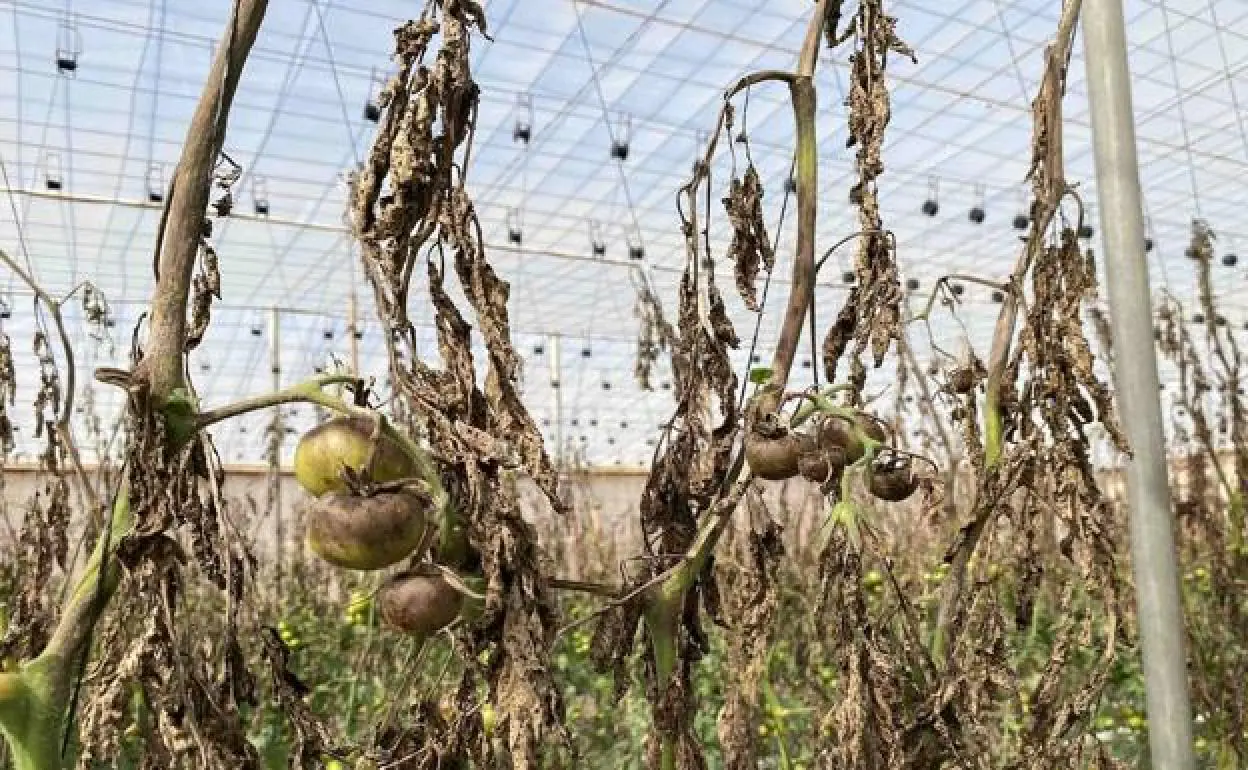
984, 672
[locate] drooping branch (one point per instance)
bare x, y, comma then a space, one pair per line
712, 527
63, 427
666, 604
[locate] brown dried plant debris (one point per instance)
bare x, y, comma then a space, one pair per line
425, 197
655, 335
105, 717
43, 543
427, 740
175, 675
689, 472
900, 705
1224, 349
614, 638
695, 455
1200, 249
690, 466
871, 315
1048, 170
1055, 394
1104, 335
1176, 344
410, 198
750, 248
42, 547
8, 394
313, 740
1212, 547
1047, 447
205, 287
1222, 345
516, 630
509, 420
1051, 736
752, 604
206, 284
861, 729
190, 669
47, 404
673, 716
170, 490
1063, 384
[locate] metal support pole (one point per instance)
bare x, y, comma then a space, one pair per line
275, 446
1135, 372
556, 387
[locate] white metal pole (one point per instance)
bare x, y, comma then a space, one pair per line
277, 440
556, 388
1153, 558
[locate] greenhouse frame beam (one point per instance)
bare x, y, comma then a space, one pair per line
1153, 555
340, 229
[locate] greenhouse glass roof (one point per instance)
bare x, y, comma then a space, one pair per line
86, 150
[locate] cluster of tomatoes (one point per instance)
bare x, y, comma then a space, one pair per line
371, 510
835, 441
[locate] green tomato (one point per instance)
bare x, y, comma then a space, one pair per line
345, 442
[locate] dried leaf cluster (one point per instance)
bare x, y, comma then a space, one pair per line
1208, 418
1037, 509
42, 546
654, 334
411, 205
871, 314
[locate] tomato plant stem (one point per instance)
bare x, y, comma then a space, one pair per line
662, 615
34, 699
183, 220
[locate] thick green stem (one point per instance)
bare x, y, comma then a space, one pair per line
663, 619
1236, 514
998, 360
994, 440
664, 602
802, 92
304, 391
802, 292
34, 699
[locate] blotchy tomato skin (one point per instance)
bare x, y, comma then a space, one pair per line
344, 442
367, 533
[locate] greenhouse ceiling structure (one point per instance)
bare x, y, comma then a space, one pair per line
592, 114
